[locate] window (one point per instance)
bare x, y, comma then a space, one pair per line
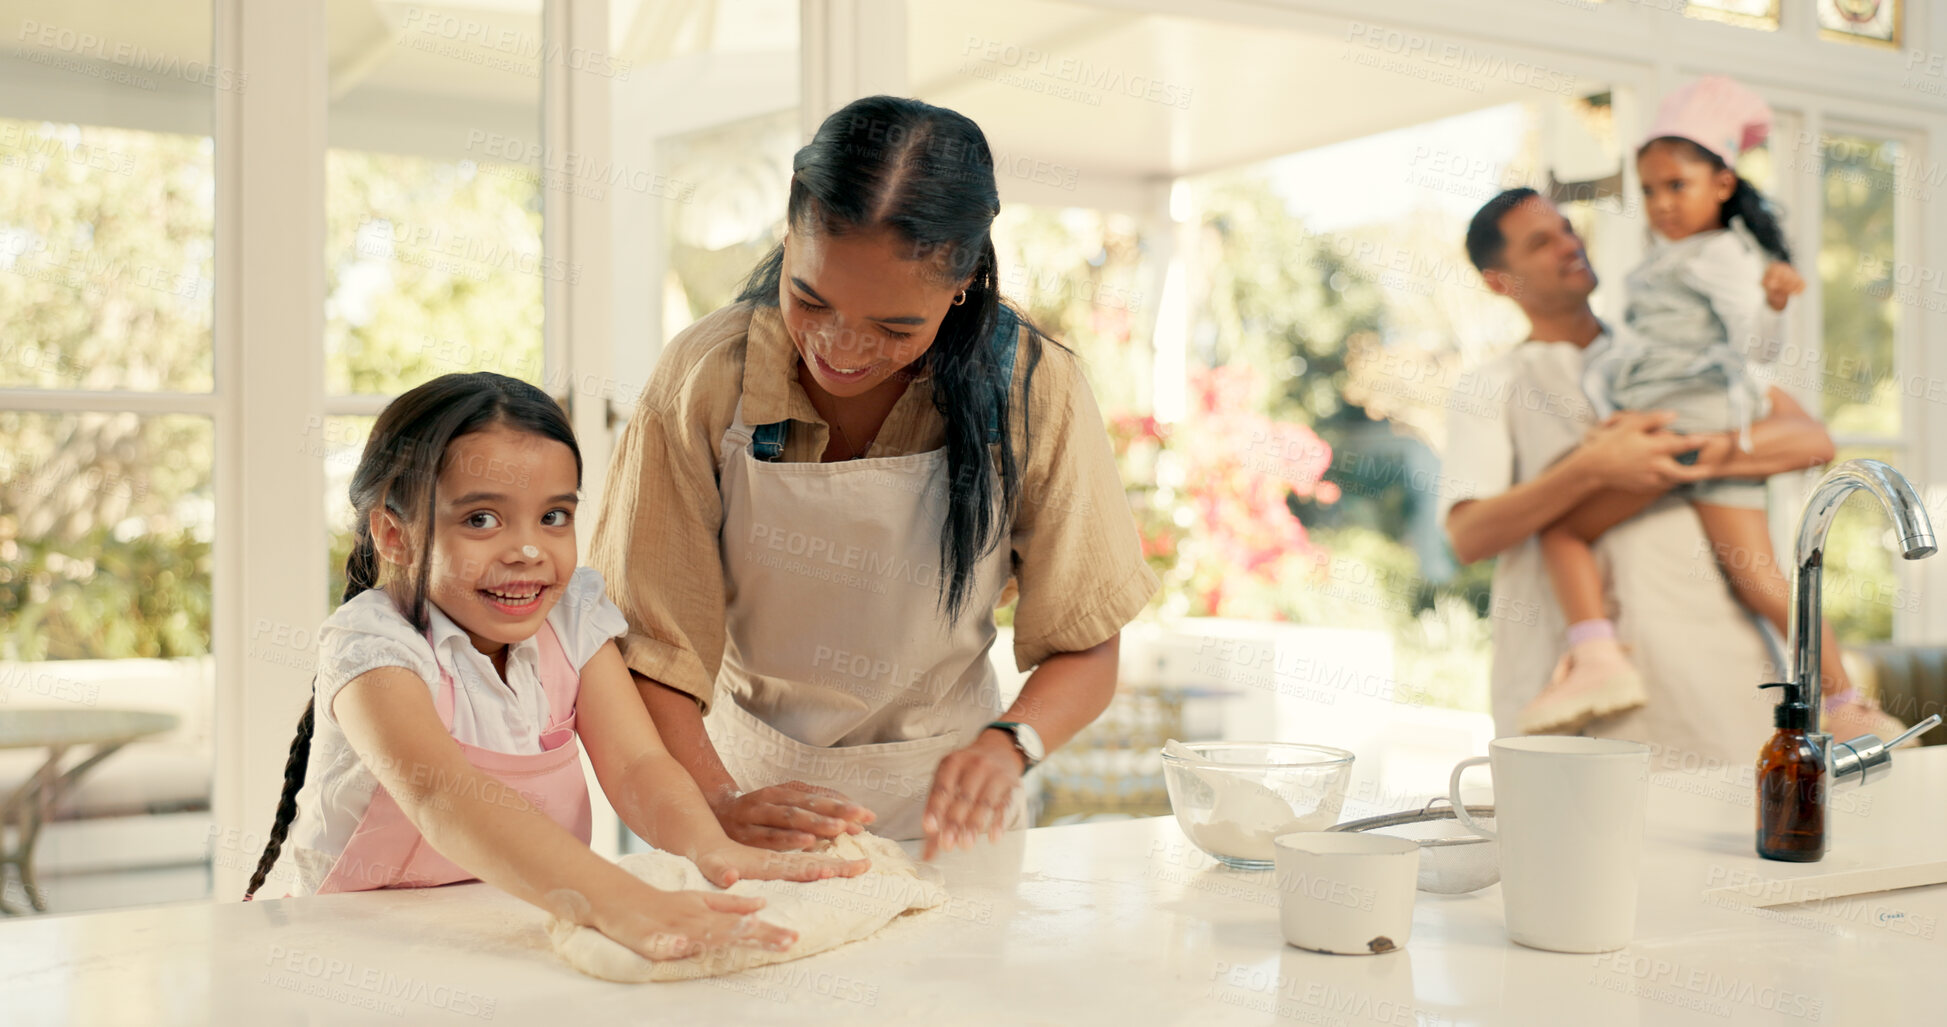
735, 179
105, 546
106, 249
1864, 288
1868, 293
434, 181
108, 412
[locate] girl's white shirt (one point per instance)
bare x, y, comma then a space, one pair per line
504, 716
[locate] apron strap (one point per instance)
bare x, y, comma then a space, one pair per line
767, 440
1006, 331
559, 677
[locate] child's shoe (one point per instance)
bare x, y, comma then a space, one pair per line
1593, 679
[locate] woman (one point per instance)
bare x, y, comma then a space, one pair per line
825, 489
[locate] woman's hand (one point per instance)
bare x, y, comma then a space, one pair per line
972, 793
657, 924
730, 862
788, 817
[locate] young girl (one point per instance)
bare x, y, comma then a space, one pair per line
468, 656
1695, 314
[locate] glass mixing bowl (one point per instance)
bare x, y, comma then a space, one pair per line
1232, 798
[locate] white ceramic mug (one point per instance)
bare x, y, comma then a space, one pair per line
1569, 823
1347, 893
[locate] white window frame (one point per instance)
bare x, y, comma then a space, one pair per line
270, 195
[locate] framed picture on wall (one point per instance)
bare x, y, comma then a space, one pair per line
1873, 22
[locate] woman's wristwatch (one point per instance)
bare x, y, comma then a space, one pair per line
1026, 739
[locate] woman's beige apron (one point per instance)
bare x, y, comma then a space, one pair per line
839, 667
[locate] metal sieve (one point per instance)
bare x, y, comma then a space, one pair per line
1453, 860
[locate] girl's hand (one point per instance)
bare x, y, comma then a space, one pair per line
657, 924
1781, 282
972, 792
1714, 450
1632, 451
730, 862
788, 817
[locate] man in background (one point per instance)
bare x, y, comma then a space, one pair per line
1523, 450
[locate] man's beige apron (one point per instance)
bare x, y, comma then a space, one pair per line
839, 668
1701, 651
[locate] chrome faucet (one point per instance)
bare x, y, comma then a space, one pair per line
1850, 761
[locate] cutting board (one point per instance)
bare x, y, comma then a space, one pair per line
1767, 892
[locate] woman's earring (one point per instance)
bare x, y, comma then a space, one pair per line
962, 298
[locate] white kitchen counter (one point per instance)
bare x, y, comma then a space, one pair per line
1120, 923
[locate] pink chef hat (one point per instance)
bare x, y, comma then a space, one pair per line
1715, 113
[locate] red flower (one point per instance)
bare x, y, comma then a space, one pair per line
1239, 469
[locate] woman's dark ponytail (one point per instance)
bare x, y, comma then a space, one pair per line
401, 463
970, 394
926, 174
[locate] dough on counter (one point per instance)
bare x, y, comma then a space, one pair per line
826, 914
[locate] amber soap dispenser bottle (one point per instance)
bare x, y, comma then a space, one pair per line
1792, 785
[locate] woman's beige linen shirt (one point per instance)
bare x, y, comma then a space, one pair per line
1077, 562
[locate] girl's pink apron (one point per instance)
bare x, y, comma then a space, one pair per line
387, 851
